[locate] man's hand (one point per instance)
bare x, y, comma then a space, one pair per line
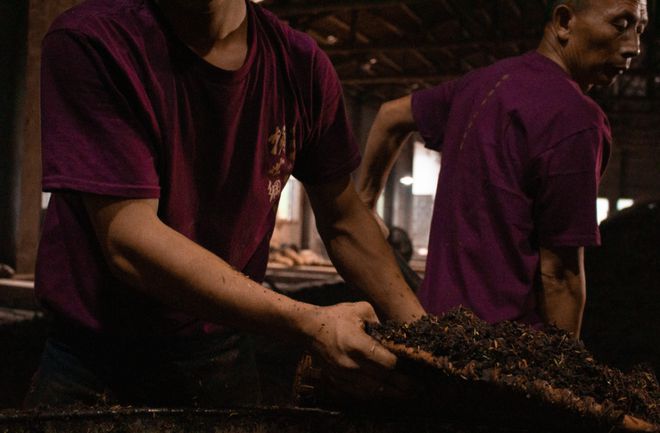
340, 338
355, 363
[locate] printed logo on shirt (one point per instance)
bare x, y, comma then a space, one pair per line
282, 147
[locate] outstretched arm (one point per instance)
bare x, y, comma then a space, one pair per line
392, 125
563, 293
359, 251
160, 262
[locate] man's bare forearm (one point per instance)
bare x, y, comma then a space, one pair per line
158, 261
563, 294
388, 133
363, 257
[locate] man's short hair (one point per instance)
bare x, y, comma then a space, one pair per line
552, 4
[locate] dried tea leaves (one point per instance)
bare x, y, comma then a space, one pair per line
549, 365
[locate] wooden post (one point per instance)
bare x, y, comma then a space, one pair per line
13, 41
41, 13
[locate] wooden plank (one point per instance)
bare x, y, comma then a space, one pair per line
17, 294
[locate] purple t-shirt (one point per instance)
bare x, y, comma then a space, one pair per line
523, 151
130, 111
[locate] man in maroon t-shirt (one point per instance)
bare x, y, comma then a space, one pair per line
169, 130
523, 149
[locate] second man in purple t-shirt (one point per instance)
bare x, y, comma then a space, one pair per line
523, 149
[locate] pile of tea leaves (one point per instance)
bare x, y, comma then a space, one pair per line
513, 353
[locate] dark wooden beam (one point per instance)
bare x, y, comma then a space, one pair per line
409, 46
398, 79
351, 28
468, 23
412, 14
335, 6
391, 63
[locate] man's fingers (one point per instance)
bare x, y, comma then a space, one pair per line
366, 312
370, 349
379, 355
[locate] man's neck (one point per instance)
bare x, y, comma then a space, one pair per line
205, 24
551, 49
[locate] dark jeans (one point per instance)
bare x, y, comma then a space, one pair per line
217, 371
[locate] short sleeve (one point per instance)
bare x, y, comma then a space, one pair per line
430, 109
569, 174
92, 139
330, 150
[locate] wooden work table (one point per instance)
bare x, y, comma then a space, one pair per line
17, 293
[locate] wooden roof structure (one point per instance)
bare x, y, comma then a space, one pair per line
383, 49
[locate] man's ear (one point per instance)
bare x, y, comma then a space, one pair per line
563, 17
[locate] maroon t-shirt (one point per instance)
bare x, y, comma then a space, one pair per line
130, 111
523, 150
